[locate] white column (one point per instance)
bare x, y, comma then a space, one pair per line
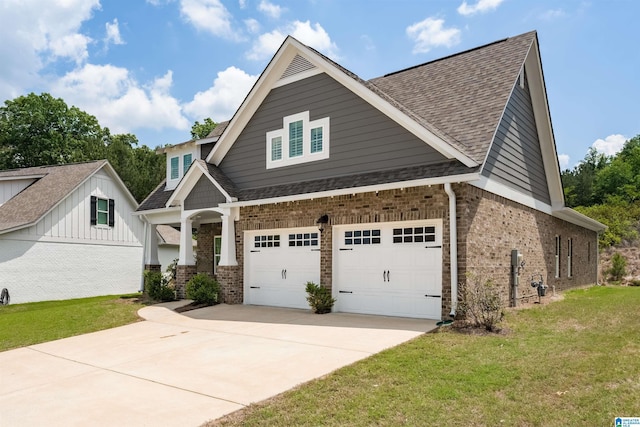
151, 250
186, 248
228, 252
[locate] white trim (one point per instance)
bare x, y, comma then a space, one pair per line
190, 180
21, 177
272, 74
70, 240
575, 217
502, 190
283, 133
162, 211
297, 77
356, 190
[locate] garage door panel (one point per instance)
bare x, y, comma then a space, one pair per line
278, 265
392, 275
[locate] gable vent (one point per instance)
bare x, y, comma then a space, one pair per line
297, 65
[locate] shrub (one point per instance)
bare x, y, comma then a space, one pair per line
156, 288
203, 289
319, 298
618, 267
481, 303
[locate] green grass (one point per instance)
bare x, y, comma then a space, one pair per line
33, 323
575, 362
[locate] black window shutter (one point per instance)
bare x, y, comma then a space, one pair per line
112, 205
94, 210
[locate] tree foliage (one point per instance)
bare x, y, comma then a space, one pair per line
202, 130
608, 190
38, 130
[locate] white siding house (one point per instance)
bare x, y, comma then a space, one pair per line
68, 233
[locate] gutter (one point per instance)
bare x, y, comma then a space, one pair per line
453, 248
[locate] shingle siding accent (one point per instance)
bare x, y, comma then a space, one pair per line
515, 158
362, 139
203, 195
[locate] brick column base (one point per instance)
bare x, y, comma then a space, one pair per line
153, 267
184, 273
231, 285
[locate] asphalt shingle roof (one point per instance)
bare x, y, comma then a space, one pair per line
35, 201
463, 95
157, 199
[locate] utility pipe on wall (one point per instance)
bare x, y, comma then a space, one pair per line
453, 248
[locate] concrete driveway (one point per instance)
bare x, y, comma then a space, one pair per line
184, 369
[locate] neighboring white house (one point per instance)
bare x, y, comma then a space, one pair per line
68, 231
169, 245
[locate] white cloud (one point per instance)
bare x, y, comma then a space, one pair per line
552, 14
72, 46
210, 16
611, 145
431, 33
253, 26
270, 9
36, 33
113, 33
563, 159
223, 98
242, 4
481, 6
119, 101
312, 35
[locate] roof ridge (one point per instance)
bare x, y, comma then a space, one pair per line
452, 55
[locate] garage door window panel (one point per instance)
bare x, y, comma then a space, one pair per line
414, 235
303, 239
267, 241
362, 237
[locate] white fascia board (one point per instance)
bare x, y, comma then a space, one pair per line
575, 217
207, 140
161, 216
357, 190
20, 177
538, 91
269, 79
509, 193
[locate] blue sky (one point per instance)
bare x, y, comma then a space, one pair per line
154, 67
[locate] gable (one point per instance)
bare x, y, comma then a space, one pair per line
203, 195
515, 157
362, 138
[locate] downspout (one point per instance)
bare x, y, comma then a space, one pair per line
453, 248
144, 250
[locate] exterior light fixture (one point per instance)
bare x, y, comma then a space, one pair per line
322, 222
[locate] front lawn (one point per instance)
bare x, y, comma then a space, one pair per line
33, 323
575, 362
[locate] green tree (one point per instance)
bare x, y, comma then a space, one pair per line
622, 176
579, 183
202, 130
38, 130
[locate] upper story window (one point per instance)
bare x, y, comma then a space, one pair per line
175, 165
102, 211
186, 162
300, 140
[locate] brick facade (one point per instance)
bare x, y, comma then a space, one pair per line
184, 273
489, 227
153, 267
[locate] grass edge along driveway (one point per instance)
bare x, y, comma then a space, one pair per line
575, 362
33, 323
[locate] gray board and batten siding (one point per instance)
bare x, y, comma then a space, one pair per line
362, 139
515, 158
204, 195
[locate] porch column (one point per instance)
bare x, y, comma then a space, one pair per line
151, 262
185, 256
186, 267
228, 250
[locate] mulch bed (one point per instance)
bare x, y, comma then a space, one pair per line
189, 307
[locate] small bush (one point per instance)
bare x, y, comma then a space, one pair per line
634, 282
203, 289
319, 298
481, 303
155, 287
618, 267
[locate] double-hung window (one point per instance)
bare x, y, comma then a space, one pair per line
558, 245
175, 167
570, 257
300, 140
102, 211
186, 162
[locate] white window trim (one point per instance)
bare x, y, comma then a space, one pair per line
307, 155
171, 168
216, 254
570, 257
557, 255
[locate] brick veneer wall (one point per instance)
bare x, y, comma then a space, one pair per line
184, 273
490, 226
384, 206
153, 267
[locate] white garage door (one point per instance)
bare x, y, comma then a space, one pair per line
392, 269
278, 264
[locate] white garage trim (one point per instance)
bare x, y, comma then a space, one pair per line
278, 264
392, 268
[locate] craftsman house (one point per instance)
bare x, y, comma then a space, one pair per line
387, 191
68, 231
